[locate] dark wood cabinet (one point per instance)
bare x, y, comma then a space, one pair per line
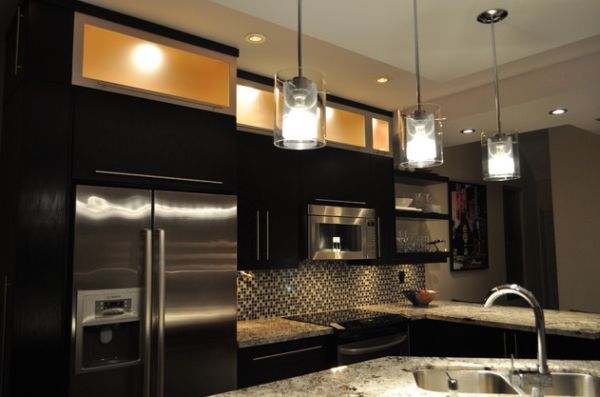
268, 363
443, 338
432, 338
381, 179
123, 138
523, 344
335, 176
269, 205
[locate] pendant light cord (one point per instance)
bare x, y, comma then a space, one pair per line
497, 85
299, 37
417, 71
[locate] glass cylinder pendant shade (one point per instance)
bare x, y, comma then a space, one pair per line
300, 102
421, 137
500, 156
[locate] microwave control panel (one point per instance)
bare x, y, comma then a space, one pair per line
371, 239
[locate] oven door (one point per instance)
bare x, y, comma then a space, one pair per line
333, 237
368, 349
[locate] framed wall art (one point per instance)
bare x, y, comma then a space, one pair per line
468, 226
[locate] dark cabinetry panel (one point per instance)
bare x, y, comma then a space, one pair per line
431, 338
524, 345
335, 174
124, 134
442, 338
276, 361
381, 189
269, 204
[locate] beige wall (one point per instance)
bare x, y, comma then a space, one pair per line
575, 169
463, 163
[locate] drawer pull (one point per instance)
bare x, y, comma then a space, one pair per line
169, 178
341, 201
288, 353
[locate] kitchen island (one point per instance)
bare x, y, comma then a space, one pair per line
392, 377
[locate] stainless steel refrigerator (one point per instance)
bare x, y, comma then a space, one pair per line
154, 293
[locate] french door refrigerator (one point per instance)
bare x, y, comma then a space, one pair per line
154, 293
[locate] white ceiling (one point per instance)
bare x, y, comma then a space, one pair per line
549, 52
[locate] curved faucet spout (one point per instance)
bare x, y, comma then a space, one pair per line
514, 289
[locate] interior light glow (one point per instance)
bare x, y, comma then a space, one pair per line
247, 94
467, 131
382, 80
147, 57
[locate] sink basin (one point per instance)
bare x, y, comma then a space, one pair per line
469, 381
570, 384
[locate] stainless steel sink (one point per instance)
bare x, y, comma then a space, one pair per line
479, 381
570, 384
469, 381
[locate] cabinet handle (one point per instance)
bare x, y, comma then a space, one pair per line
288, 353
342, 201
268, 235
169, 178
17, 41
257, 235
378, 237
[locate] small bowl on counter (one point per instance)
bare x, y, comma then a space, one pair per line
420, 298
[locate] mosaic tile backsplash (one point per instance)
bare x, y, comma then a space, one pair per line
320, 286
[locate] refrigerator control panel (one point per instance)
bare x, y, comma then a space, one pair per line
108, 306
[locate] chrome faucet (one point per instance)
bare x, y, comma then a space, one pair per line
514, 289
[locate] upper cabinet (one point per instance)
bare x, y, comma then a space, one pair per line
348, 127
118, 58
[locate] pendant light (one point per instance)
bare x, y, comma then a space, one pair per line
299, 104
500, 149
421, 133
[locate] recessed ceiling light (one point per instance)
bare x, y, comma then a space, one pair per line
468, 131
382, 80
558, 111
256, 38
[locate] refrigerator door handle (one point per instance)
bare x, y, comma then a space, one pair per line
147, 312
160, 348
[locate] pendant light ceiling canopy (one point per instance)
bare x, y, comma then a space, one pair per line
300, 102
421, 132
500, 149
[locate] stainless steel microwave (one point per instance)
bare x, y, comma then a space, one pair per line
341, 232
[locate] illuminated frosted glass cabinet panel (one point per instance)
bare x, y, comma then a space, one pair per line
121, 59
345, 127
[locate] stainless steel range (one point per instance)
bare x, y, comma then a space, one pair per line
363, 334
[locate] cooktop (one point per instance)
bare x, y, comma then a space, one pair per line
350, 318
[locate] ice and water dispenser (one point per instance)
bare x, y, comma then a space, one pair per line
107, 329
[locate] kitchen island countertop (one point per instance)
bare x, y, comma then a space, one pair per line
558, 322
392, 377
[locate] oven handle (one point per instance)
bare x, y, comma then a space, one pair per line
355, 351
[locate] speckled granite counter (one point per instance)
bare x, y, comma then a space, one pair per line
392, 377
581, 325
275, 329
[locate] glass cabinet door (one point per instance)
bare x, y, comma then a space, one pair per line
118, 58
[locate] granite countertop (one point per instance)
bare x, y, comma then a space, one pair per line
276, 329
581, 325
392, 377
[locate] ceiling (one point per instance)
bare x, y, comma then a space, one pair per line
548, 52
